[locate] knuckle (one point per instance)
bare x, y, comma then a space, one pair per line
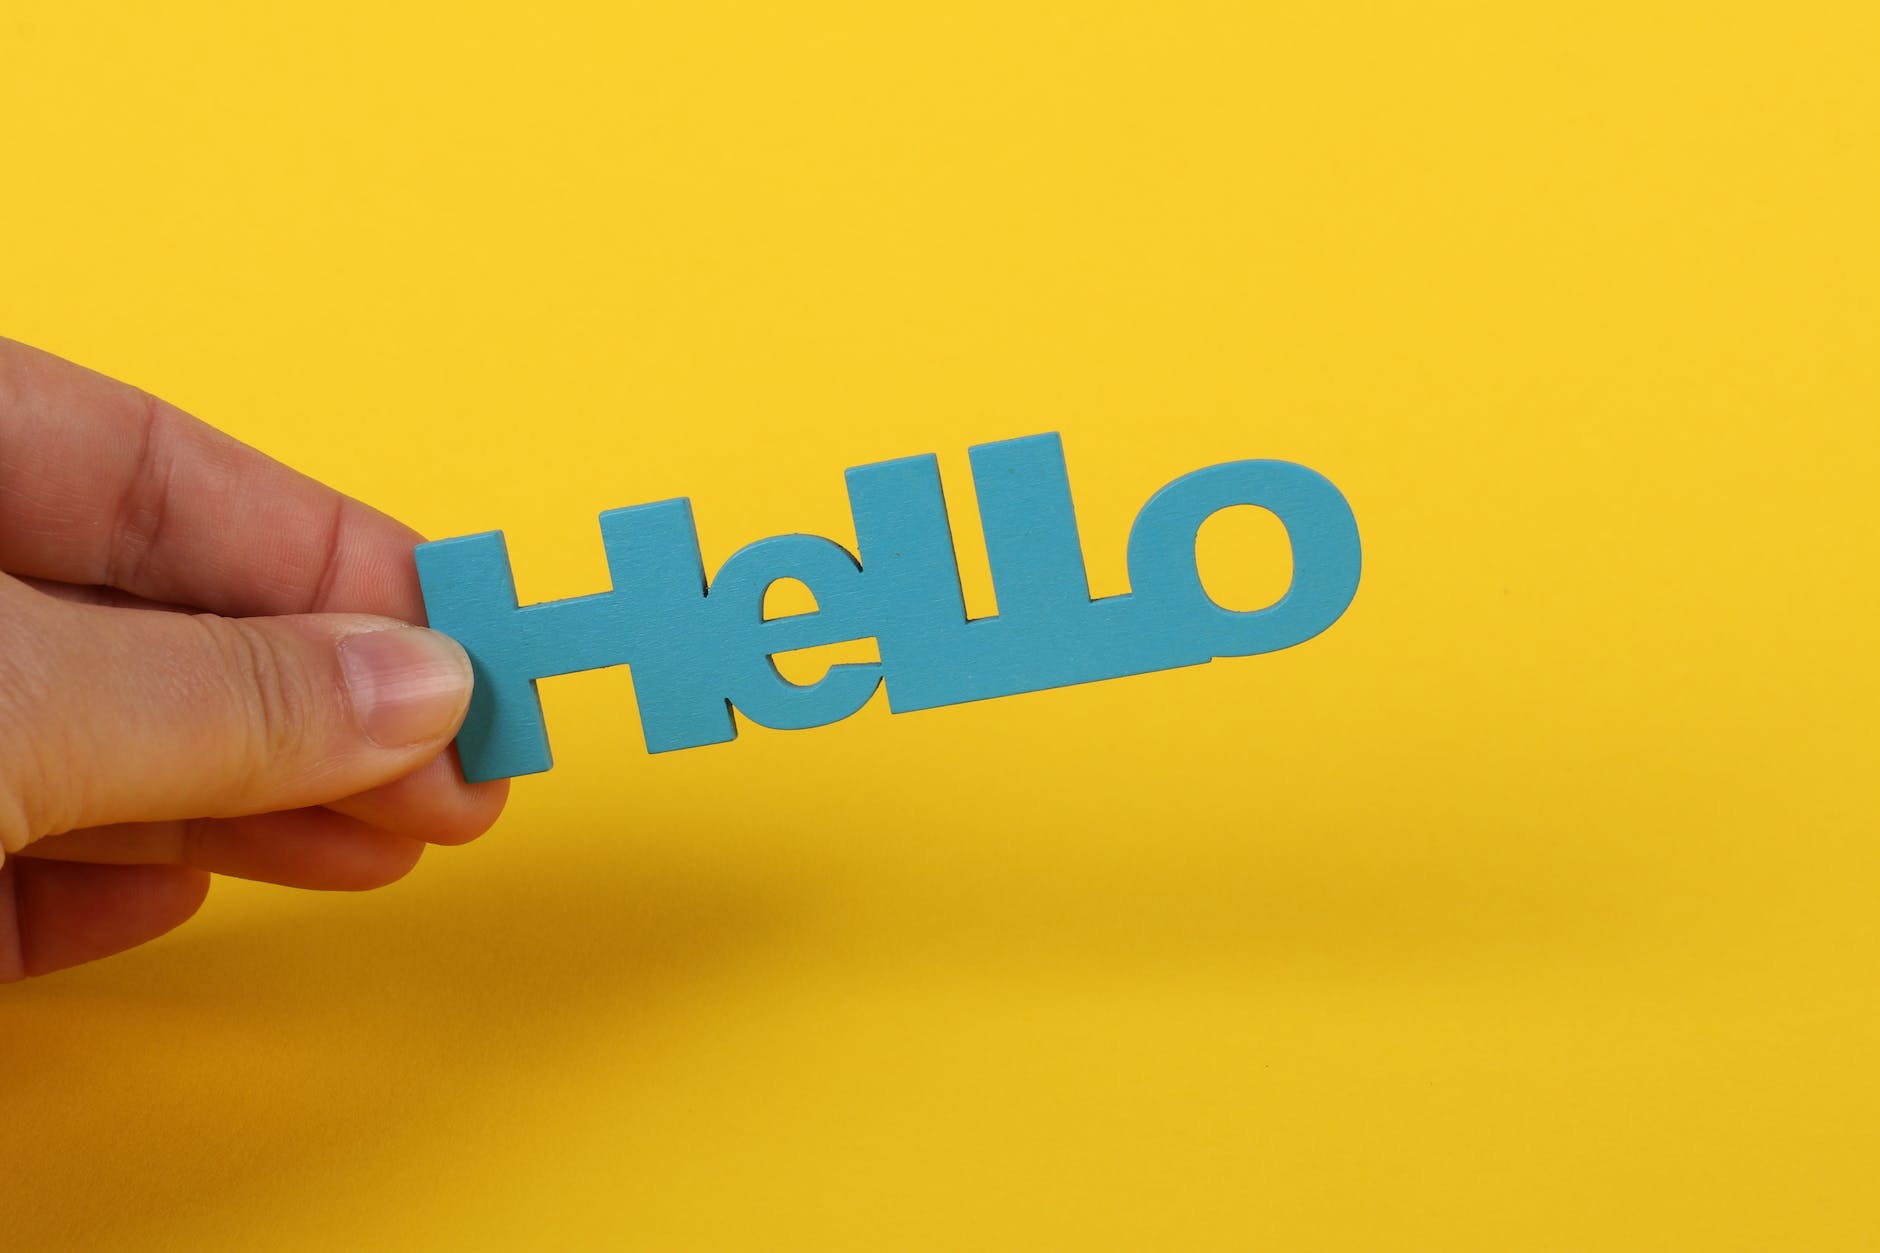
30, 795
274, 698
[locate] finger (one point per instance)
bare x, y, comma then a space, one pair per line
300, 848
129, 717
91, 594
432, 803
58, 914
103, 484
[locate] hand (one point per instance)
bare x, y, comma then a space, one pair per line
205, 666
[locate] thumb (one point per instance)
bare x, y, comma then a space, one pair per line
124, 715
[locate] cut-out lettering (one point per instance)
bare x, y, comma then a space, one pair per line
697, 650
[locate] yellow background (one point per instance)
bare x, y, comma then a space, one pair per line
1532, 907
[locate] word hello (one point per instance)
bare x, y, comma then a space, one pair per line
698, 650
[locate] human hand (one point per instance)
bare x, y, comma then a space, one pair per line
205, 667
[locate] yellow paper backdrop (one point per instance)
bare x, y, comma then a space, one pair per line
1532, 907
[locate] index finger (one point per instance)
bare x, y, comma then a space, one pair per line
102, 483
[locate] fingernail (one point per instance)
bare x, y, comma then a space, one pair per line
408, 685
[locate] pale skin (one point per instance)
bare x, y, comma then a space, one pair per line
206, 667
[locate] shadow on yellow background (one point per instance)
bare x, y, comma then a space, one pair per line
1531, 907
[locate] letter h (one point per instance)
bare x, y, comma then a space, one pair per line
656, 605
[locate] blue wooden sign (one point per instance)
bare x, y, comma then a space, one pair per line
697, 650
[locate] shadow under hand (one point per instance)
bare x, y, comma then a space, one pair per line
287, 1037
